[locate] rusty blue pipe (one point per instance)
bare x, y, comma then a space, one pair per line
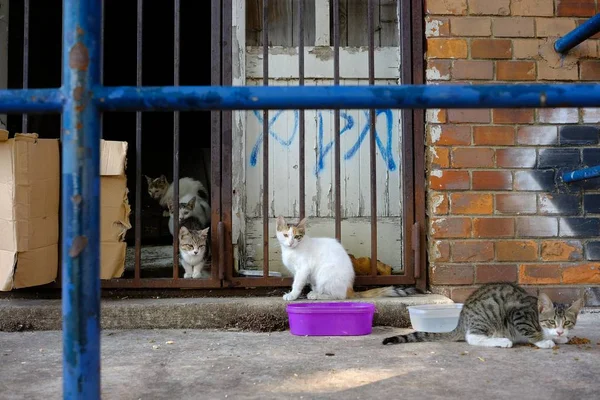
81, 200
583, 32
31, 100
347, 97
581, 174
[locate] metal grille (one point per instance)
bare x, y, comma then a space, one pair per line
223, 270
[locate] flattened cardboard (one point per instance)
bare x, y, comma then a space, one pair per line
114, 209
29, 210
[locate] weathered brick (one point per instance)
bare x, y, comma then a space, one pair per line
446, 48
471, 203
440, 251
539, 274
471, 251
435, 116
590, 115
492, 180
550, 72
551, 27
516, 158
582, 273
493, 135
556, 158
474, 70
515, 70
487, 7
558, 115
493, 227
439, 203
516, 250
455, 274
513, 27
526, 49
460, 294
469, 115
457, 227
562, 250
583, 21
491, 48
438, 70
469, 157
513, 115
575, 8
516, 203
437, 27
591, 157
470, 26
537, 227
450, 135
446, 7
591, 203
489, 273
560, 204
588, 184
537, 135
579, 135
448, 180
535, 180
544, 8
592, 251
579, 227
590, 70
440, 157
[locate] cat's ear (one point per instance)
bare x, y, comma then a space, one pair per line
302, 224
148, 179
576, 306
192, 203
544, 303
163, 178
281, 224
183, 231
204, 232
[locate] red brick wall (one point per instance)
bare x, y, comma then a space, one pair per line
497, 207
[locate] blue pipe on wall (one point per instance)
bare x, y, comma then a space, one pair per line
31, 100
584, 31
581, 174
81, 200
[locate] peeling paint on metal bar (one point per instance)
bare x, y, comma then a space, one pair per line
347, 97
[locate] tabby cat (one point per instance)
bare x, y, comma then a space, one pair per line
325, 264
189, 207
501, 314
194, 248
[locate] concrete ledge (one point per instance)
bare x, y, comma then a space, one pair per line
261, 314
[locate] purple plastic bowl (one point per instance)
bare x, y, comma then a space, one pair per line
331, 319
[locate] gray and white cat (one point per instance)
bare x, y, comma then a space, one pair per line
160, 189
189, 207
194, 249
501, 314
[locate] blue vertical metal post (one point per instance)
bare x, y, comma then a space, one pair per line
81, 200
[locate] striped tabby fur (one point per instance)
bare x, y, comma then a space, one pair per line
500, 314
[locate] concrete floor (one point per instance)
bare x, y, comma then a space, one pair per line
139, 364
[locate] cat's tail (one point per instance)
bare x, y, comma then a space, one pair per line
388, 291
457, 335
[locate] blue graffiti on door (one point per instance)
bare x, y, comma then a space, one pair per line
323, 149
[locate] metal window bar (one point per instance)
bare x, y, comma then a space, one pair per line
81, 99
138, 147
265, 201
373, 133
24, 118
336, 122
176, 48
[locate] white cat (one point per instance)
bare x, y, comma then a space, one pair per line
160, 189
190, 206
194, 249
325, 264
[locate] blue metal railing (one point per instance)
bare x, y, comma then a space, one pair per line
82, 98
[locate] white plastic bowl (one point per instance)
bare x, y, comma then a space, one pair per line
435, 317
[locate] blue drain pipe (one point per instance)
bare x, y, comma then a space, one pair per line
583, 32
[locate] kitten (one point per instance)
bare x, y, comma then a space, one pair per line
325, 264
500, 314
160, 189
194, 248
188, 207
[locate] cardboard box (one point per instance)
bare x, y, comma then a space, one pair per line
29, 210
114, 208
